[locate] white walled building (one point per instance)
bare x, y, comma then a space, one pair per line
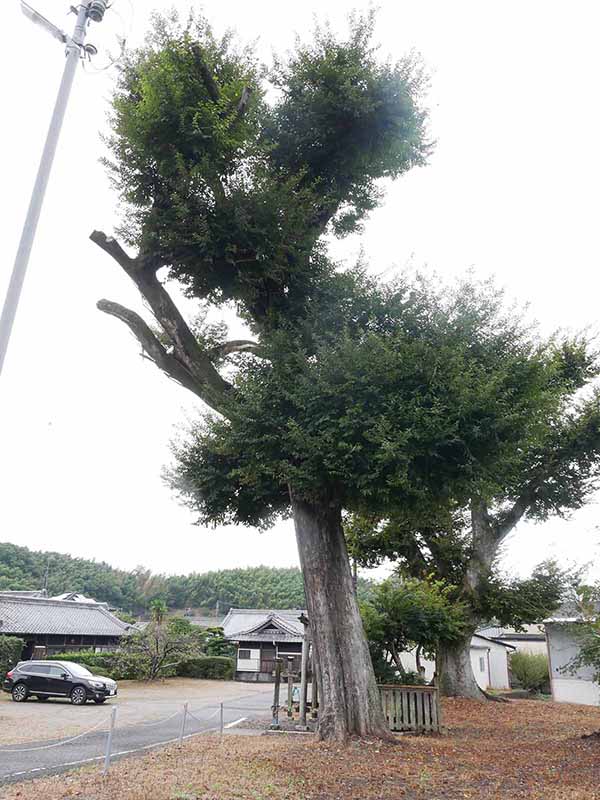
532, 639
489, 661
563, 645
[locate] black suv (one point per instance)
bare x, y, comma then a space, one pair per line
45, 679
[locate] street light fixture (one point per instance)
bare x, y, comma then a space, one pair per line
38, 19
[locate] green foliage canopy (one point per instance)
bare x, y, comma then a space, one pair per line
409, 613
232, 191
428, 398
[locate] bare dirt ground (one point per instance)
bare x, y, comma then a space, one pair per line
522, 749
137, 702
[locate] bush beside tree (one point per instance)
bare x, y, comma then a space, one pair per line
11, 648
406, 614
208, 667
530, 670
118, 665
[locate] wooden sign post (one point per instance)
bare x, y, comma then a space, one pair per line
275, 708
290, 683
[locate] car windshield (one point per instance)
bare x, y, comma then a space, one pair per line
79, 671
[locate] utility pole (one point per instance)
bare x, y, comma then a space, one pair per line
93, 10
46, 575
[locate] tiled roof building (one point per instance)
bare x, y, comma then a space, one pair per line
263, 635
59, 625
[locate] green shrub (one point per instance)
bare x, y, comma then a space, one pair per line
118, 666
10, 652
215, 667
530, 670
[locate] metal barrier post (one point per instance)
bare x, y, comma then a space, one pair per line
182, 731
109, 738
221, 720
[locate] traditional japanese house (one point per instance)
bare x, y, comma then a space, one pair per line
261, 635
59, 625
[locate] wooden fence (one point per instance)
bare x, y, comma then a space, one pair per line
411, 708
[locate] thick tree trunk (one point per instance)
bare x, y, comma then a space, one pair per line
349, 698
456, 677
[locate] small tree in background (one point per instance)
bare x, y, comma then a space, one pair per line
588, 630
215, 643
410, 614
589, 652
164, 642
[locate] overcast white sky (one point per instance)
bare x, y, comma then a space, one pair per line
512, 190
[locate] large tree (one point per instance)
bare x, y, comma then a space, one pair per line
440, 417
530, 426
234, 193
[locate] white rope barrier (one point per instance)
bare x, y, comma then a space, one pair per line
55, 744
187, 713
207, 719
149, 724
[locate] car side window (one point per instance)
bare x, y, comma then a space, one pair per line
42, 669
27, 669
57, 672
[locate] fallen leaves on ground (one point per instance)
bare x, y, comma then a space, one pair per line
522, 749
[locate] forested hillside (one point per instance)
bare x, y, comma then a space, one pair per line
21, 568
265, 587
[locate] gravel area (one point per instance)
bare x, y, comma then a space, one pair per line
137, 702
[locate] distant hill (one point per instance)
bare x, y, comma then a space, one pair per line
21, 568
249, 587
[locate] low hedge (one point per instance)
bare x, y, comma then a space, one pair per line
530, 670
115, 665
122, 666
211, 667
11, 648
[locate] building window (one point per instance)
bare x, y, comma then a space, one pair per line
482, 664
243, 655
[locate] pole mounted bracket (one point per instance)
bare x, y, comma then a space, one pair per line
44, 23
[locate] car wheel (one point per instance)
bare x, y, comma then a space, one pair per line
78, 696
20, 693
99, 700
42, 699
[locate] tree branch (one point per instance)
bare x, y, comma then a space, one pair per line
484, 547
244, 102
114, 249
205, 74
506, 523
151, 345
234, 346
209, 385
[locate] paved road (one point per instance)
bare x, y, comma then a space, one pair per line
34, 760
